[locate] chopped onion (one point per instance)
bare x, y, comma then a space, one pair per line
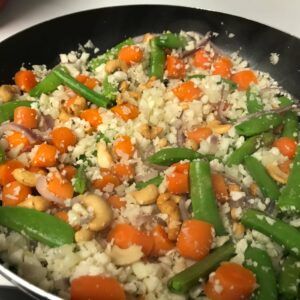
183, 210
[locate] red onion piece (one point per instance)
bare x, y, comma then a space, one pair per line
46, 123
183, 210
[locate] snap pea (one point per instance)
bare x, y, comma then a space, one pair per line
47, 85
171, 40
290, 125
249, 147
259, 262
288, 282
37, 225
267, 185
169, 156
260, 124
202, 195
80, 88
109, 89
282, 233
289, 199
182, 282
285, 101
254, 102
80, 180
7, 109
2, 155
155, 180
157, 60
110, 54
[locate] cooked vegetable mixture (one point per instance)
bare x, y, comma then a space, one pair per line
160, 169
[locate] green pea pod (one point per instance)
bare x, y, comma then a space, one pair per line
289, 199
171, 40
290, 125
285, 101
288, 282
155, 180
109, 55
259, 262
109, 90
267, 185
260, 124
182, 282
37, 225
80, 181
157, 60
7, 109
202, 195
169, 156
254, 102
280, 232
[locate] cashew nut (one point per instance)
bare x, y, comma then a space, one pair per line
124, 86
77, 106
168, 206
115, 64
102, 212
147, 195
83, 235
7, 92
217, 127
25, 177
238, 230
64, 116
36, 202
149, 84
191, 144
150, 132
277, 174
123, 257
162, 142
104, 158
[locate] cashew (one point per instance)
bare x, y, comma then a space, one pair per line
150, 132
123, 257
191, 144
7, 92
102, 212
77, 106
217, 127
236, 213
147, 195
134, 95
83, 235
253, 189
277, 174
64, 116
124, 86
115, 64
149, 84
36, 202
168, 206
25, 177
233, 187
238, 230
162, 143
104, 158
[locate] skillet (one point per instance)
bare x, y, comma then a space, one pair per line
41, 44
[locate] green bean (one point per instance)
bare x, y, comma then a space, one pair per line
260, 124
109, 55
169, 156
282, 233
37, 225
288, 282
267, 185
290, 125
2, 155
109, 89
249, 147
157, 60
155, 180
80, 180
254, 102
289, 199
80, 88
182, 282
285, 101
47, 85
7, 109
171, 40
202, 195
259, 262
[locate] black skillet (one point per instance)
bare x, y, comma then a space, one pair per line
106, 27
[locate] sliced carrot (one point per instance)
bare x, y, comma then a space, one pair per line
187, 91
14, 193
230, 281
16, 139
63, 215
92, 116
175, 67
123, 171
243, 79
6, 170
45, 156
87, 81
123, 147
285, 166
202, 60
116, 202
182, 167
178, 180
125, 235
68, 171
286, 146
220, 187
107, 182
199, 134
161, 242
62, 138
60, 186
222, 66
126, 111
26, 117
130, 54
98, 287
25, 80
195, 239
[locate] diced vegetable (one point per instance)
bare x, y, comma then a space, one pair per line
7, 109
81, 181
157, 60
